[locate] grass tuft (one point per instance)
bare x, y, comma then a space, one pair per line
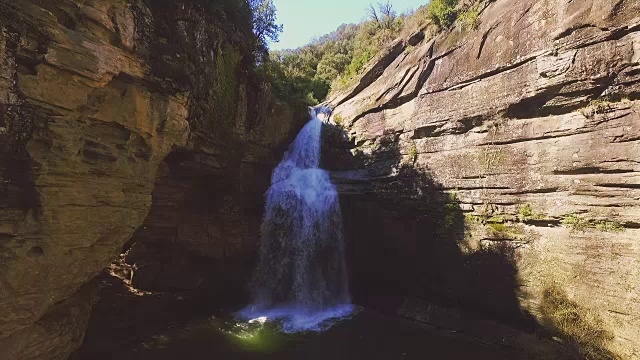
578, 223
470, 19
582, 328
413, 153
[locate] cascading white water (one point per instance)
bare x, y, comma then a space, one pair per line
301, 276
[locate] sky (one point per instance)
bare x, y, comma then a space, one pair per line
306, 19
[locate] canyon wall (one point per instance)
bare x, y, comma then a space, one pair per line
100, 101
495, 167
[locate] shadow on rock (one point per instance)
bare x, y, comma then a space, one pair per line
407, 250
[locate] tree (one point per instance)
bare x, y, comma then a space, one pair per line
443, 12
264, 21
332, 65
388, 15
372, 13
383, 16
386, 9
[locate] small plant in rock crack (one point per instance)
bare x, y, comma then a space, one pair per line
470, 19
576, 223
596, 107
413, 153
505, 230
338, 120
409, 49
579, 223
527, 213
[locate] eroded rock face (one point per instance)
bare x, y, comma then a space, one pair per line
530, 122
93, 97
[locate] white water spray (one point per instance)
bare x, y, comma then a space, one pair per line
301, 276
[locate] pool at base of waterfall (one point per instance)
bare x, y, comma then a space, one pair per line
294, 319
365, 334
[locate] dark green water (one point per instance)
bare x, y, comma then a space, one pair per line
367, 335
126, 325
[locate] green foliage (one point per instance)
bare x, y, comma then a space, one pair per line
305, 74
470, 19
608, 226
226, 87
383, 16
413, 153
575, 222
505, 230
496, 219
289, 81
471, 218
602, 106
498, 227
443, 12
579, 223
452, 213
337, 118
416, 21
336, 61
355, 67
526, 212
332, 65
369, 38
264, 21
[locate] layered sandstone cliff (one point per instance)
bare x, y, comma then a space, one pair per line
530, 124
94, 96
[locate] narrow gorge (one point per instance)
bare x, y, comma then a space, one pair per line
488, 177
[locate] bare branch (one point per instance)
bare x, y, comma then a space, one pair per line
372, 12
386, 9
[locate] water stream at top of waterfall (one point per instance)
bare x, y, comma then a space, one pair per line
301, 279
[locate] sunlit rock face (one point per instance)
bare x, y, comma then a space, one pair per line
94, 97
301, 276
532, 121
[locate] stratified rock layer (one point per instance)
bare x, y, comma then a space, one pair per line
93, 97
531, 122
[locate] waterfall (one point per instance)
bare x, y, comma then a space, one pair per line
301, 278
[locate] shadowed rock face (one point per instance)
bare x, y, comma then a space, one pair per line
94, 95
532, 121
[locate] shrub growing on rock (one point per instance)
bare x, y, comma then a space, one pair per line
443, 12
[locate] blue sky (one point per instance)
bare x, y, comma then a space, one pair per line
305, 19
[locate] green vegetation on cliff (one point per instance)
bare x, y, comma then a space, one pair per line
334, 61
443, 12
264, 21
578, 223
